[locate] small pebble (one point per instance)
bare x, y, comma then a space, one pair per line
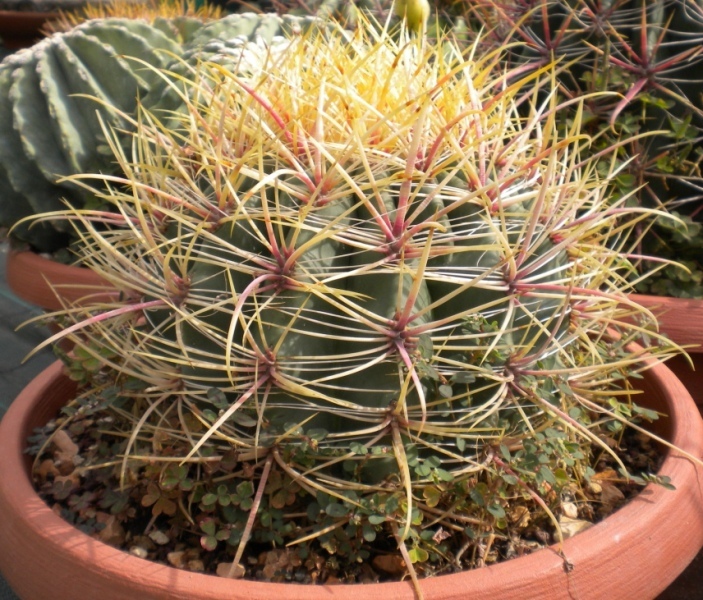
570, 510
138, 551
159, 537
595, 487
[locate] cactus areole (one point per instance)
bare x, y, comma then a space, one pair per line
369, 264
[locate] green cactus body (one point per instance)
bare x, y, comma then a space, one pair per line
115, 85
242, 25
479, 264
27, 109
27, 190
250, 26
67, 119
135, 39
183, 29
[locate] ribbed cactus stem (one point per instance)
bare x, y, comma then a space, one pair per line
60, 96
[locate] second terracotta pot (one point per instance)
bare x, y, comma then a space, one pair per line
49, 284
681, 319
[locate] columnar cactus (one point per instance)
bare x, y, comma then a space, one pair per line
363, 263
57, 96
50, 120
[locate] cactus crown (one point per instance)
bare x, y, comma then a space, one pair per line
364, 263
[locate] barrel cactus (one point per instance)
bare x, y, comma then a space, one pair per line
647, 55
371, 271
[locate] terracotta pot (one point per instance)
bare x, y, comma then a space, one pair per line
633, 554
45, 283
21, 29
682, 320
